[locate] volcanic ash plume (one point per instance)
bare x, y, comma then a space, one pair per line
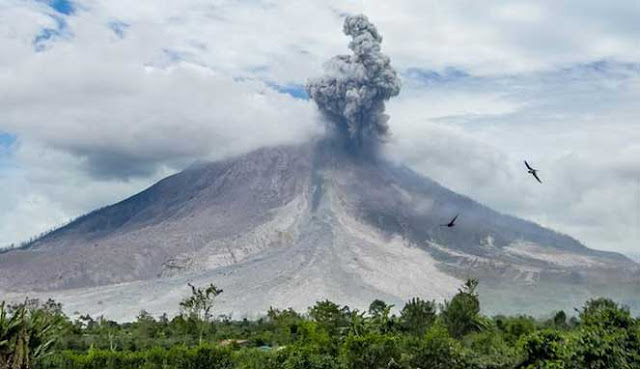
354, 88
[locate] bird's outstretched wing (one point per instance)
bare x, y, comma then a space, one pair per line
454, 219
536, 175
528, 166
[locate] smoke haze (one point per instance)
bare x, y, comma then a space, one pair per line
354, 87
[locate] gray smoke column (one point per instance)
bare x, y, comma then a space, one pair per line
354, 88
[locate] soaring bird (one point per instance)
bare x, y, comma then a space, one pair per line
533, 172
451, 223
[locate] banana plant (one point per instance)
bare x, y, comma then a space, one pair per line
27, 334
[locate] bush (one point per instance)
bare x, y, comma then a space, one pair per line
179, 357
370, 351
437, 350
302, 357
543, 349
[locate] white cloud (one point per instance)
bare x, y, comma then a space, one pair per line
98, 117
577, 126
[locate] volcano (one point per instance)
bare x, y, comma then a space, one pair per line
330, 219
288, 226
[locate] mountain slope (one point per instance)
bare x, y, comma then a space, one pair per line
286, 226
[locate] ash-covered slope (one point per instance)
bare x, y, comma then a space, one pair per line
153, 233
287, 226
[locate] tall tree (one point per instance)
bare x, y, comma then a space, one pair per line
417, 316
198, 307
461, 314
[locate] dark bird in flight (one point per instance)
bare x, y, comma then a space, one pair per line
451, 223
533, 172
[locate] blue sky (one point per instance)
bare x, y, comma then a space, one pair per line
296, 91
61, 6
6, 142
6, 139
105, 97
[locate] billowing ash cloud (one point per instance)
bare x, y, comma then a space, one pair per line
354, 88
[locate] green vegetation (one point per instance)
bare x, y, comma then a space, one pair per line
328, 336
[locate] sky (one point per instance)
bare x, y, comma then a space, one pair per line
100, 99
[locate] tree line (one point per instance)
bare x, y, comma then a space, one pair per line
423, 334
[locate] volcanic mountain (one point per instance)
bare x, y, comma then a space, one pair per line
290, 225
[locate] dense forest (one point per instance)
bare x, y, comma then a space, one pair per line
421, 334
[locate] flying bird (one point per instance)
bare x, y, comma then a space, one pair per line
451, 223
533, 172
